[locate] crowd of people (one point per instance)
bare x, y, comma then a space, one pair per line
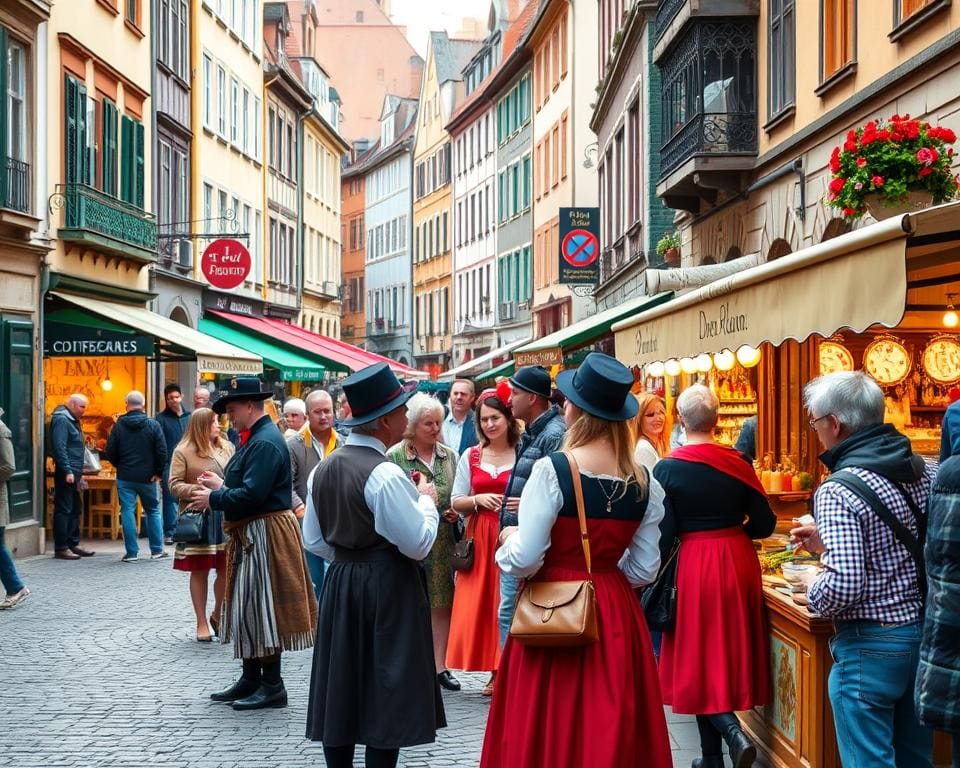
340, 531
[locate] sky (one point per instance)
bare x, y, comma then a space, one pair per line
422, 16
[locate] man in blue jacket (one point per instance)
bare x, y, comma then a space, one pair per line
67, 444
173, 422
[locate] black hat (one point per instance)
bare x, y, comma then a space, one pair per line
533, 379
241, 389
373, 392
600, 386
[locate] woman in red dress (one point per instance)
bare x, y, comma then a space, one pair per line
478, 489
597, 705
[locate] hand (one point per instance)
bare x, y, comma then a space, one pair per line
488, 501
506, 533
450, 516
513, 504
806, 537
69, 478
427, 489
300, 511
210, 480
156, 478
200, 498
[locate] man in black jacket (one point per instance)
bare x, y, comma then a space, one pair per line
173, 422
66, 445
137, 449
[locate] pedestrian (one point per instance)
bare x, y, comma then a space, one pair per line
308, 447
869, 514
373, 680
649, 430
747, 439
173, 421
294, 416
530, 403
459, 431
16, 591
67, 448
201, 398
421, 452
138, 452
595, 705
202, 449
343, 414
267, 605
938, 674
714, 661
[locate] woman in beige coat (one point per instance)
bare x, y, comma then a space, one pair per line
201, 450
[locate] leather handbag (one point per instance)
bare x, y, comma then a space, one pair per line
461, 559
191, 528
559, 614
659, 599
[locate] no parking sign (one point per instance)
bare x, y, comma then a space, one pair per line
579, 246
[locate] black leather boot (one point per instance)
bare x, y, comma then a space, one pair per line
742, 751
713, 761
240, 689
266, 695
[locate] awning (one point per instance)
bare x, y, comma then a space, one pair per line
212, 355
335, 355
594, 326
468, 369
851, 281
291, 365
504, 369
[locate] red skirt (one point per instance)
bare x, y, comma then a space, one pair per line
201, 561
717, 657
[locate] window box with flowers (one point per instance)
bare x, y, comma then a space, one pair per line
668, 248
892, 167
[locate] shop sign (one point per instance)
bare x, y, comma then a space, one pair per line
228, 365
225, 263
235, 304
579, 246
65, 340
545, 357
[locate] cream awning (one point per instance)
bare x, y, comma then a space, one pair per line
482, 362
213, 355
851, 281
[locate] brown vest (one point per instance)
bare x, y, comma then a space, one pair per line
345, 519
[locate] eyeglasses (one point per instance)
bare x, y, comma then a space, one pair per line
813, 422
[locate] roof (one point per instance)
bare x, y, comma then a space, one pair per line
407, 110
451, 55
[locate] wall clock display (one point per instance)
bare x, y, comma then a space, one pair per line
887, 360
941, 359
834, 357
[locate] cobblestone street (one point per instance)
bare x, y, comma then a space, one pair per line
102, 670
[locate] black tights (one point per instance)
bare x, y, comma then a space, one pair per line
266, 669
713, 730
342, 757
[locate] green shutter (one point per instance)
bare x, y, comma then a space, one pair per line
3, 117
127, 155
71, 130
109, 156
138, 164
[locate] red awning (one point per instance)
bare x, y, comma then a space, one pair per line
337, 354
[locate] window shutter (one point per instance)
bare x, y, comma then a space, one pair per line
139, 151
3, 117
126, 159
109, 165
75, 143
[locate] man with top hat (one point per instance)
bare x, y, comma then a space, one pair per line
373, 680
268, 605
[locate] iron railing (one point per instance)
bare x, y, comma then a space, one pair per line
729, 133
89, 209
16, 196
667, 11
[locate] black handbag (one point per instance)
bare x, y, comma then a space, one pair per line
461, 559
659, 599
191, 528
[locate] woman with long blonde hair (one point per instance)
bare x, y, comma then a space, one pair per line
201, 450
649, 430
609, 687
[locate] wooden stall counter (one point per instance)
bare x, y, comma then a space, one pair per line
100, 516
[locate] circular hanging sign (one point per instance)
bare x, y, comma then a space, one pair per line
225, 263
580, 248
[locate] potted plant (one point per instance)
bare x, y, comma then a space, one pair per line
890, 167
668, 248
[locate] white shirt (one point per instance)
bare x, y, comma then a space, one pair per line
540, 503
451, 431
646, 455
462, 480
401, 514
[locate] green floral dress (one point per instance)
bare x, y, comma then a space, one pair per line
437, 563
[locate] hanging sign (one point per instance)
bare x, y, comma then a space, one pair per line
66, 340
544, 357
225, 263
579, 246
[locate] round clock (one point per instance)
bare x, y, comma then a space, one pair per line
887, 360
941, 360
834, 357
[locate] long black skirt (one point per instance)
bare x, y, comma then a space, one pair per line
374, 681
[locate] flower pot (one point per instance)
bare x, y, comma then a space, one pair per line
672, 256
914, 201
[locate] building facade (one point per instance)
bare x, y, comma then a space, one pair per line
353, 323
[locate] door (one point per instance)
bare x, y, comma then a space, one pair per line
17, 400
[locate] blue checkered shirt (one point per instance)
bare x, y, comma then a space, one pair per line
868, 573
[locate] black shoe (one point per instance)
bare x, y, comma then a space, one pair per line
448, 681
82, 552
240, 689
265, 696
713, 761
742, 751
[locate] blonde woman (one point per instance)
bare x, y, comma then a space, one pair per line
201, 450
650, 430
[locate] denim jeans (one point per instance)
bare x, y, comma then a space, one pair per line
150, 500
8, 571
509, 586
66, 512
317, 567
871, 690
171, 508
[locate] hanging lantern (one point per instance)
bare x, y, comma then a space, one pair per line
672, 367
704, 362
748, 356
656, 369
724, 360
688, 365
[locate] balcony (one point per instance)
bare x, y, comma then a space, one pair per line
673, 16
100, 222
16, 196
380, 327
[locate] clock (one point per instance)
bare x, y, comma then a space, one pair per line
941, 359
834, 357
887, 360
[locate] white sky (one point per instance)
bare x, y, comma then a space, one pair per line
422, 16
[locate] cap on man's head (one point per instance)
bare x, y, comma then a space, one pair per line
533, 379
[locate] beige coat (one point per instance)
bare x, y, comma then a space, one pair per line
7, 469
185, 466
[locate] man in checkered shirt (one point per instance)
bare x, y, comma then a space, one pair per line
869, 586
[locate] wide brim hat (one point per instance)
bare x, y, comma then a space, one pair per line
601, 386
372, 393
241, 389
534, 379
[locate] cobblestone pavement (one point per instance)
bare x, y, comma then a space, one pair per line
100, 669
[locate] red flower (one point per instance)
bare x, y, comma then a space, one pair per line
883, 134
948, 135
849, 212
835, 160
851, 135
868, 138
836, 185
912, 129
924, 172
927, 156
896, 136
861, 161
877, 181
850, 145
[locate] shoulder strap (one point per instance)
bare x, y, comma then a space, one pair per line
581, 514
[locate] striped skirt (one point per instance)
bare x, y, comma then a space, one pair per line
269, 606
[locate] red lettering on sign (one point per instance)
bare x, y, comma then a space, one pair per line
225, 263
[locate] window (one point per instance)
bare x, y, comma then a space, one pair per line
555, 177
207, 206
16, 97
838, 36
221, 101
133, 12
222, 203
563, 145
563, 46
633, 167
172, 36
256, 127
235, 129
109, 143
903, 9
131, 164
782, 57
245, 116
207, 92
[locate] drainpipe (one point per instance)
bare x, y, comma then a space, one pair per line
152, 269
196, 64
301, 197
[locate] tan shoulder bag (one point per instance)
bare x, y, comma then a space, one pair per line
559, 614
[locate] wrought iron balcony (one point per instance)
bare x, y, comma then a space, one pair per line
666, 12
16, 196
101, 222
720, 133
380, 326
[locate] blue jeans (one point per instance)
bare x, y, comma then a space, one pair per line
171, 508
150, 500
8, 571
317, 567
509, 586
871, 690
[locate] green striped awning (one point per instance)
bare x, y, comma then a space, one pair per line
291, 365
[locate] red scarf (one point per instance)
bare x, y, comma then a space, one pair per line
722, 458
243, 436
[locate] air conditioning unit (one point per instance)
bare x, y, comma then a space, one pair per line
185, 253
523, 305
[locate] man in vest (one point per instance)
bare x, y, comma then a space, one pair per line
458, 430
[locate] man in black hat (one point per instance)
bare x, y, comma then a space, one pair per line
268, 604
545, 428
374, 681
